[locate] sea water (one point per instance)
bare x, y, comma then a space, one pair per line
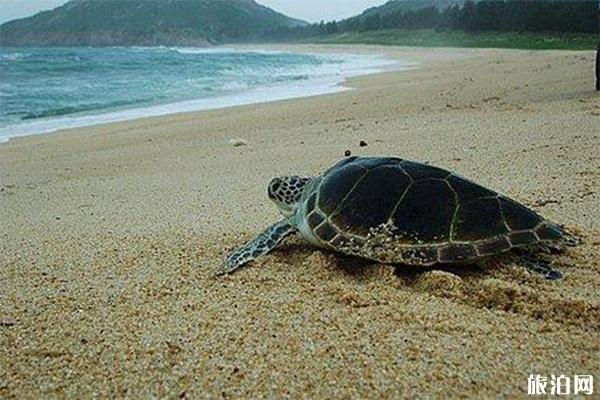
47, 89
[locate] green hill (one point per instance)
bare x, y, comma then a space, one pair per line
145, 23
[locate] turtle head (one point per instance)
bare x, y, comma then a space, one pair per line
286, 192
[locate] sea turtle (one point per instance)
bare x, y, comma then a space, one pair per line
400, 212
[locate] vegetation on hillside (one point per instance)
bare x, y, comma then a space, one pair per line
433, 38
487, 23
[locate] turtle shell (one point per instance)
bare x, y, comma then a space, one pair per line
395, 210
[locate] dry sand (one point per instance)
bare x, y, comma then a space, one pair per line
109, 236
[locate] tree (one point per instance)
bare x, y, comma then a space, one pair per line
473, 16
598, 51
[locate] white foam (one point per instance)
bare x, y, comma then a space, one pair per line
328, 80
14, 56
227, 50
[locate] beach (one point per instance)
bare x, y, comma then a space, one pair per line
111, 233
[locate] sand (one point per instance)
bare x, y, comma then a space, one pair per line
110, 234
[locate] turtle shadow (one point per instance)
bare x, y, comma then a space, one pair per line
357, 267
348, 265
411, 273
494, 266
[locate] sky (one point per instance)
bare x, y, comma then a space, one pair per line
317, 10
308, 10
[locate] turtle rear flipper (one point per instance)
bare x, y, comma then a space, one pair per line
570, 239
535, 263
543, 269
261, 245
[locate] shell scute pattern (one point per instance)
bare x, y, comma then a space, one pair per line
457, 252
315, 219
518, 217
338, 185
421, 255
358, 212
339, 241
425, 213
467, 190
326, 232
478, 219
547, 231
492, 246
393, 210
423, 171
522, 238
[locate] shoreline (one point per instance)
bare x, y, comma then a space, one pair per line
392, 58
314, 86
110, 236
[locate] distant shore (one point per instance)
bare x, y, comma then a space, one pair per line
110, 235
433, 38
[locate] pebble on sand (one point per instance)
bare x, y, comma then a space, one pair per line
236, 142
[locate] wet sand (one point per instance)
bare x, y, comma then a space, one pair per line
110, 234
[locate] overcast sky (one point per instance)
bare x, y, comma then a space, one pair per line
317, 10
308, 10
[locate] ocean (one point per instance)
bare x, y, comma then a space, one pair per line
47, 89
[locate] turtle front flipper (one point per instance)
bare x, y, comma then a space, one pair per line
264, 243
